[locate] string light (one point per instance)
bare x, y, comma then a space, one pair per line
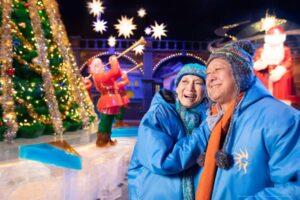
177, 55
107, 53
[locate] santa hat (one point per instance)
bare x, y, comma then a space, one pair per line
240, 56
276, 30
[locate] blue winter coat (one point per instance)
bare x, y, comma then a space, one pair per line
265, 145
160, 156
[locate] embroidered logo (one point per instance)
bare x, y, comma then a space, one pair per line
241, 160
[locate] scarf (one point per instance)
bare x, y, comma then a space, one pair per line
191, 118
218, 134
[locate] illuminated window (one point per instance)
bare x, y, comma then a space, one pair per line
136, 83
157, 88
129, 93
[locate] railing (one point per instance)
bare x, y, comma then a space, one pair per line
159, 45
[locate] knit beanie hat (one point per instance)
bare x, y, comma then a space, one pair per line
191, 69
240, 56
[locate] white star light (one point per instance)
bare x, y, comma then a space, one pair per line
141, 12
95, 8
125, 26
111, 41
139, 49
148, 31
158, 30
100, 26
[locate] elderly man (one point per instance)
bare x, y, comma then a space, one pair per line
253, 143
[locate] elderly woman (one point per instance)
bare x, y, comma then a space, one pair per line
159, 167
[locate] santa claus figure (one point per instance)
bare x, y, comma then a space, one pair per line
273, 64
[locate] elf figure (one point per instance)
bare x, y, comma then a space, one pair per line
110, 101
273, 64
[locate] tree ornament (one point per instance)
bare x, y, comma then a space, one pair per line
16, 43
22, 25
10, 71
26, 4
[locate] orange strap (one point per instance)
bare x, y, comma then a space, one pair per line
218, 134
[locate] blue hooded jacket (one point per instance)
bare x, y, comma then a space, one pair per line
265, 145
161, 154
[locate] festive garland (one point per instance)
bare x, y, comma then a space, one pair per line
46, 74
77, 88
9, 115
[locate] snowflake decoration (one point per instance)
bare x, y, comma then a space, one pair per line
125, 26
148, 31
141, 12
139, 49
158, 30
112, 41
100, 26
96, 8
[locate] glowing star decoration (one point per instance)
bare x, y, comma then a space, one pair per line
158, 30
139, 49
241, 160
96, 8
148, 31
112, 41
100, 26
125, 26
270, 21
141, 12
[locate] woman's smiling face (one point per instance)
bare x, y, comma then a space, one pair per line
190, 90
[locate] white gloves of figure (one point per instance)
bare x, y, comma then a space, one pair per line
277, 73
260, 65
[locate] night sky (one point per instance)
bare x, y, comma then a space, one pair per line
185, 20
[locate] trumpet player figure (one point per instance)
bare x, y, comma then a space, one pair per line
110, 101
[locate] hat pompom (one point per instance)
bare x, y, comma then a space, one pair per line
246, 46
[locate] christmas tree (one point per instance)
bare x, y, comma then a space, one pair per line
41, 89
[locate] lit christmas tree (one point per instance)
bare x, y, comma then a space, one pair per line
41, 89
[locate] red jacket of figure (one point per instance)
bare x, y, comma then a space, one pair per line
105, 82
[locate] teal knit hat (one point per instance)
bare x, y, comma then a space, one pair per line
191, 69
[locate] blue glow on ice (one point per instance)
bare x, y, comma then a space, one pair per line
125, 132
50, 154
